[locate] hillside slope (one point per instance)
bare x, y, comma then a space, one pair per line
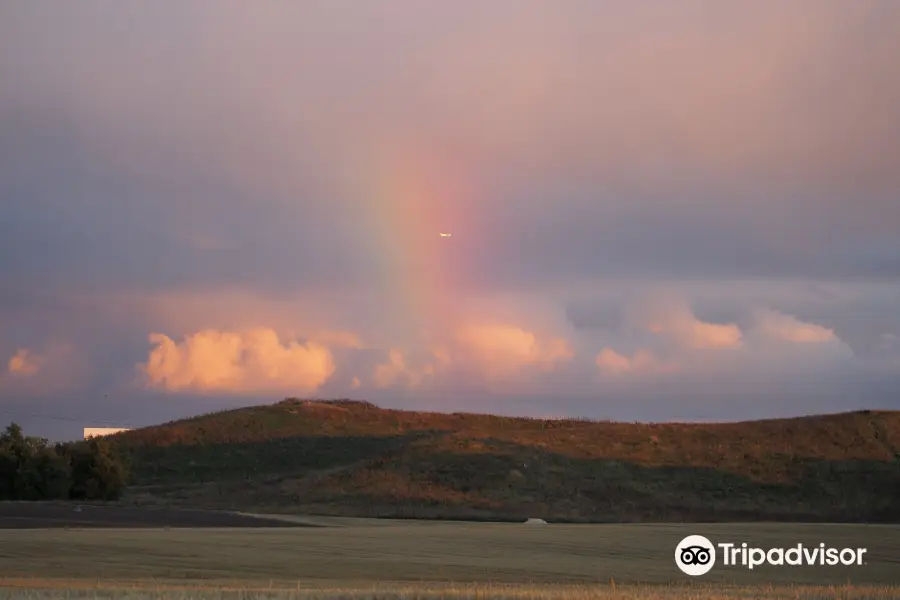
353, 458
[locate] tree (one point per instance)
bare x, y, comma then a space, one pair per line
32, 469
8, 473
52, 475
13, 453
97, 473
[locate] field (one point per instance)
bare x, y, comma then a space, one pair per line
455, 592
361, 558
30, 515
355, 459
302, 490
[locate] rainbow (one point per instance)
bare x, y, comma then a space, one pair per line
412, 200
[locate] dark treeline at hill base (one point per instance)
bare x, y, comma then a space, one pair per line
33, 469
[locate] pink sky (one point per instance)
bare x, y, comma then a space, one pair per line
658, 211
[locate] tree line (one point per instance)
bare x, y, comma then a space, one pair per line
33, 469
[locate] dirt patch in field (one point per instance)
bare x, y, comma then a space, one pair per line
22, 515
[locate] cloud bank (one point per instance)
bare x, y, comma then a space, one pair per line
655, 213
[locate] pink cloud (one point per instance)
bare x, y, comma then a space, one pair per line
675, 320
46, 368
680, 342
779, 326
399, 370
499, 350
642, 362
481, 352
236, 362
24, 363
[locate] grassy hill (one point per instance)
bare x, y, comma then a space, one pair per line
354, 458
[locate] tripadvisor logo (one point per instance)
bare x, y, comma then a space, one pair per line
696, 555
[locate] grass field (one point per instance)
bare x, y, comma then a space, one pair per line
396, 559
354, 459
448, 592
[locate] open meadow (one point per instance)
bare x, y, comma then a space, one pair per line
356, 459
360, 558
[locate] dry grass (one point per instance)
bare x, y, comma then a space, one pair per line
37, 590
432, 553
355, 459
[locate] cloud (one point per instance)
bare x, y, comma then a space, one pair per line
24, 363
775, 325
499, 350
665, 176
887, 349
675, 320
236, 362
340, 339
782, 342
682, 345
514, 354
643, 362
584, 155
477, 353
398, 370
48, 368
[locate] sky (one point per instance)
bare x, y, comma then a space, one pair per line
658, 211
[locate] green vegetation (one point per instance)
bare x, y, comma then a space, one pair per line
354, 458
32, 469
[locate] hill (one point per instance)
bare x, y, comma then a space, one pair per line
354, 458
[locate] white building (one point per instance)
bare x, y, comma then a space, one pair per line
90, 432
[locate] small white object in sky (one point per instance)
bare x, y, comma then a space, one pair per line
445, 235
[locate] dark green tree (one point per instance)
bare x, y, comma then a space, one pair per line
32, 469
51, 475
13, 454
8, 473
97, 472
